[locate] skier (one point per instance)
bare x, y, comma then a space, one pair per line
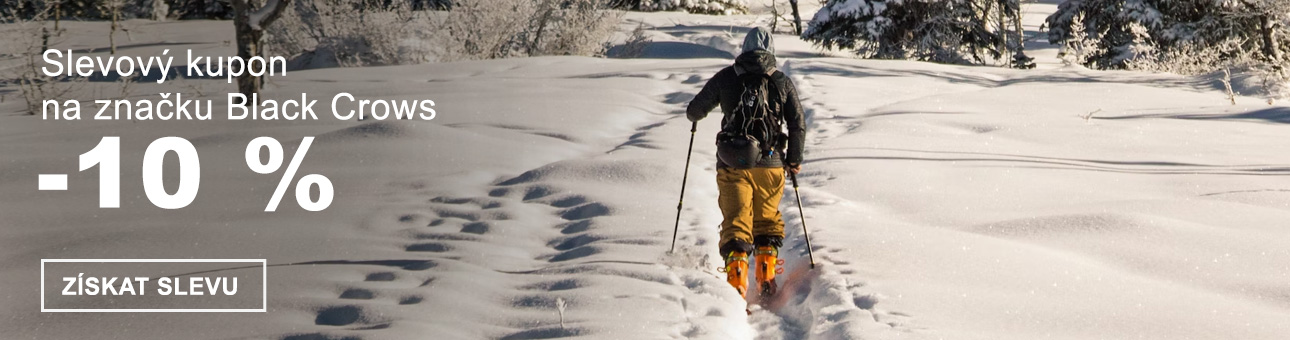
753, 153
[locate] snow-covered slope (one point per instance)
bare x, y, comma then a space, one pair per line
944, 202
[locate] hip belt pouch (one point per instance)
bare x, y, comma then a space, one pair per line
737, 150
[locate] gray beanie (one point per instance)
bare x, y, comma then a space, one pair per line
758, 39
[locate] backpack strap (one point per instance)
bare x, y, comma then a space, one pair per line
778, 79
776, 84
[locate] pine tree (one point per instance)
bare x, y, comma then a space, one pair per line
201, 9
944, 31
1118, 32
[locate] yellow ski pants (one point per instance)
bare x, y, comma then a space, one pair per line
749, 201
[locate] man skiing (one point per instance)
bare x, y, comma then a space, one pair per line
753, 152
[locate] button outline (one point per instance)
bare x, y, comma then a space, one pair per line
264, 300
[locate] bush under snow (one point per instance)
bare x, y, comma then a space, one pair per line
492, 29
328, 33
718, 7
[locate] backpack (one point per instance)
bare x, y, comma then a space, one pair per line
754, 129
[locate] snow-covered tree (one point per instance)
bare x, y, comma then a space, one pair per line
249, 20
159, 10
1117, 32
945, 31
1180, 36
201, 9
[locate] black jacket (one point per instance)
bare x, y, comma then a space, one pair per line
724, 89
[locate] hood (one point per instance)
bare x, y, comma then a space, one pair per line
758, 39
758, 53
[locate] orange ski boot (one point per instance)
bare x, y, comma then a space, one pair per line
767, 259
737, 271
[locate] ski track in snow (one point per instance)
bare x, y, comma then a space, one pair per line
537, 238
826, 302
530, 240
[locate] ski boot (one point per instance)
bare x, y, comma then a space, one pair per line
737, 271
767, 259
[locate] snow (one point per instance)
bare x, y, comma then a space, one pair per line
944, 202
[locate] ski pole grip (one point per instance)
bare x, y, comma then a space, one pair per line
694, 126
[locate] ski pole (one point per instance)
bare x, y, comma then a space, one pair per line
677, 227
805, 234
